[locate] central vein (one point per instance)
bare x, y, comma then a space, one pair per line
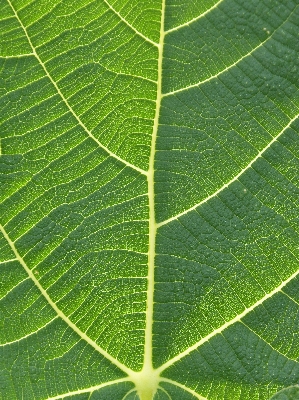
152, 219
147, 381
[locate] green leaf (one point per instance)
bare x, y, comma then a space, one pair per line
149, 199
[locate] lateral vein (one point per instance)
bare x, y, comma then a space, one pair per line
18, 56
29, 334
67, 103
58, 311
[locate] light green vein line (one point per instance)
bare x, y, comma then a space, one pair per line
287, 397
131, 26
67, 103
13, 288
194, 19
25, 110
7, 261
198, 396
226, 325
218, 73
18, 56
90, 389
29, 334
232, 65
235, 178
59, 312
147, 380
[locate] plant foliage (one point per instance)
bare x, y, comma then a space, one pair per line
149, 167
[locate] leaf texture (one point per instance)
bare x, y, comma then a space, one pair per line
149, 201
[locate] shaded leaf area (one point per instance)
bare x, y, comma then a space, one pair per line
227, 254
211, 132
171, 391
46, 364
116, 391
178, 12
291, 393
236, 364
204, 48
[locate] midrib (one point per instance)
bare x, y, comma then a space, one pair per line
152, 218
147, 380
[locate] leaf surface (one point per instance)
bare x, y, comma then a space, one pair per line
149, 196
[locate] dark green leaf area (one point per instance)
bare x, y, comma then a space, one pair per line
52, 361
291, 393
118, 391
210, 133
235, 364
171, 391
204, 48
276, 321
221, 258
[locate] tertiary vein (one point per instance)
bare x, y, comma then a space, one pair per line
66, 101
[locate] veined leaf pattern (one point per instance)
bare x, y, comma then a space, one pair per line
149, 199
